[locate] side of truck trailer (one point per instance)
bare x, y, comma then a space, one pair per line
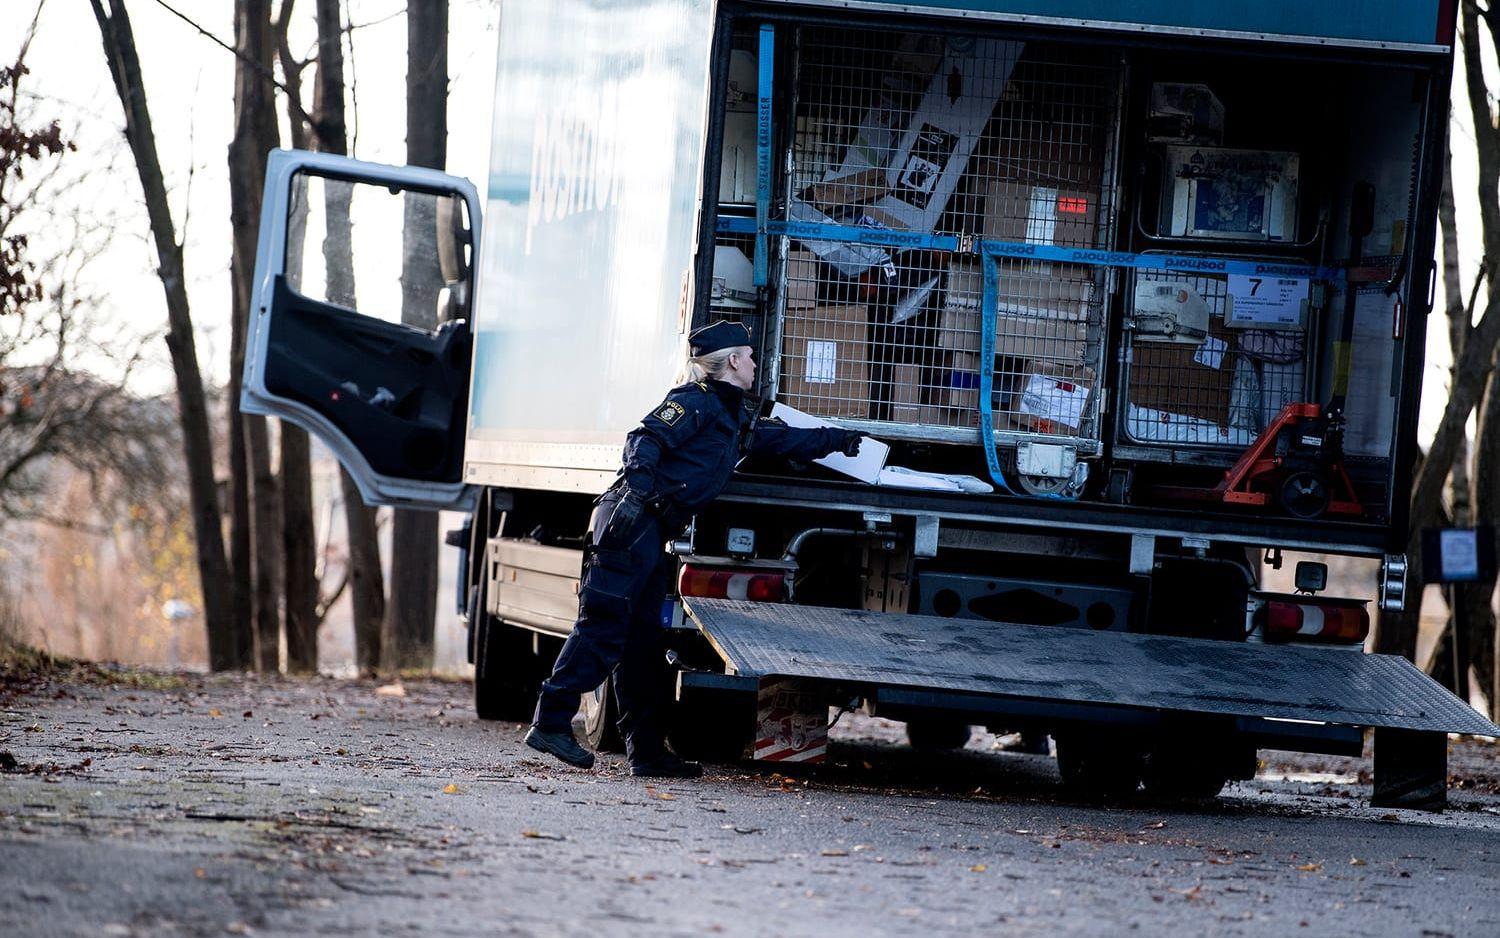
1133, 298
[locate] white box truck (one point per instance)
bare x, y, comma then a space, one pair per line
1155, 278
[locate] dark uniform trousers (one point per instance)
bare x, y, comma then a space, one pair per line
618, 630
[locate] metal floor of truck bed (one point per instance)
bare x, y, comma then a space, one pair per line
1077, 666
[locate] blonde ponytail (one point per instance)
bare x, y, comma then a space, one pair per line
704, 367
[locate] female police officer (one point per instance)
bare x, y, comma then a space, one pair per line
676, 461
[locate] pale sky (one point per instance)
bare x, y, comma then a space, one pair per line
190, 86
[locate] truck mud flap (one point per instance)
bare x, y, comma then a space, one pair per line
1077, 674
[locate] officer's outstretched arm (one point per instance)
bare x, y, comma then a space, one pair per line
774, 438
666, 427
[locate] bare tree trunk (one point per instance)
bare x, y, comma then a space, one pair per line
213, 568
239, 491
410, 617
1440, 663
1477, 599
298, 532
254, 134
1472, 500
366, 579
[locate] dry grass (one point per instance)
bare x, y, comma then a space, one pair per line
23, 668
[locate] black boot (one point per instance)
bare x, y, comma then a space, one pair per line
665, 765
562, 745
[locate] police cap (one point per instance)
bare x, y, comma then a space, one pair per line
716, 336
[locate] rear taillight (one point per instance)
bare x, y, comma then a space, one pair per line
1285, 620
728, 583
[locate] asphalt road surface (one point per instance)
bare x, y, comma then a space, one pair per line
183, 805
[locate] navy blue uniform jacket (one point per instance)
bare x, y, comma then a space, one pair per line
687, 447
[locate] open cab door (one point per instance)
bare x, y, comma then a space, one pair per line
360, 320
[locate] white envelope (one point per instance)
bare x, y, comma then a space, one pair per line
865, 467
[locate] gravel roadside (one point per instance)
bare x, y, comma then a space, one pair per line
183, 804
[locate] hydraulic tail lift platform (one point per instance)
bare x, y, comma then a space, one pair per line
1298, 697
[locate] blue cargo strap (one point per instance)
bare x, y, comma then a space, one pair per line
915, 240
767, 62
987, 306
990, 252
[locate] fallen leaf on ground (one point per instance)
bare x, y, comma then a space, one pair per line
835, 853
450, 789
1356, 861
1156, 826
540, 835
215, 712
978, 868
1310, 867
390, 690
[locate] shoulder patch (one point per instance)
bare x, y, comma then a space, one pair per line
670, 412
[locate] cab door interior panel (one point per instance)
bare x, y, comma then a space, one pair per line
398, 393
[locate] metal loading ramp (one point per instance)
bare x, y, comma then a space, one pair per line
1115, 669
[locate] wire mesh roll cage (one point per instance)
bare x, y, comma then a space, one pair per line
951, 140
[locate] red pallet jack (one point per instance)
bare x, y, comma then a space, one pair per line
1297, 462
1299, 458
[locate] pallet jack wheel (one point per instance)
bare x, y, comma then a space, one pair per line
1305, 495
1041, 485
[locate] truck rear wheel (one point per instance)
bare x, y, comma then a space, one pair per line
1095, 765
600, 719
1196, 770
1178, 778
937, 733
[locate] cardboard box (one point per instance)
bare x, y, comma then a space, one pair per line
854, 189
1177, 379
906, 393
1039, 214
1055, 291
825, 365
953, 399
801, 279
1047, 154
1024, 337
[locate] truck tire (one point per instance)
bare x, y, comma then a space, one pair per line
507, 673
1178, 778
600, 716
1098, 765
936, 733
1196, 769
